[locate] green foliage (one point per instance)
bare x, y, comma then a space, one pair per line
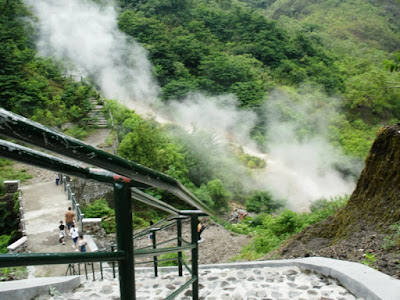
223, 47
8, 172
263, 202
78, 132
9, 220
393, 65
214, 194
101, 209
370, 259
392, 240
323, 208
250, 161
98, 209
271, 230
171, 262
287, 223
219, 194
32, 86
13, 273
4, 243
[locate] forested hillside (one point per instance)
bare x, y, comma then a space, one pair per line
319, 64
31, 85
313, 79
225, 46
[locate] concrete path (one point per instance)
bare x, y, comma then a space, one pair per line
314, 278
45, 205
220, 284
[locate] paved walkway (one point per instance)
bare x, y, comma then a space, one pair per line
45, 205
220, 284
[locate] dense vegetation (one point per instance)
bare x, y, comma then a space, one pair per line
224, 47
33, 86
270, 230
315, 51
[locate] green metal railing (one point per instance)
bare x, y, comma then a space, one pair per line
71, 196
125, 177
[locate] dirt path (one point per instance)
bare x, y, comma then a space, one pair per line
45, 204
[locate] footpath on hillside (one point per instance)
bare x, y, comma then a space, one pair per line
45, 205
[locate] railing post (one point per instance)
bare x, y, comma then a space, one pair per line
123, 219
82, 217
154, 257
195, 257
179, 226
113, 263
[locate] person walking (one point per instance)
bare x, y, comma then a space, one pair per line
69, 218
74, 235
151, 234
62, 233
82, 243
200, 229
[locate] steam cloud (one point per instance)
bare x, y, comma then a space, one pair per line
298, 169
301, 161
86, 34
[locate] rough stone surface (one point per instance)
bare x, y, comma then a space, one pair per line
243, 289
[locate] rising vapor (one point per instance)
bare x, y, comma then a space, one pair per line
85, 34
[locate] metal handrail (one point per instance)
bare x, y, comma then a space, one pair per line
16, 127
133, 175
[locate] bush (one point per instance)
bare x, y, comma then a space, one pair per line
170, 263
323, 208
98, 209
101, 209
4, 243
270, 231
287, 223
79, 132
262, 201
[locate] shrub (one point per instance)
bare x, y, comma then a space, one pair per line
262, 201
4, 243
170, 263
101, 209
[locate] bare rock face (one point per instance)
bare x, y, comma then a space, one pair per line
363, 224
88, 191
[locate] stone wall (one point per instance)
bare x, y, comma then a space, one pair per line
92, 226
88, 191
11, 187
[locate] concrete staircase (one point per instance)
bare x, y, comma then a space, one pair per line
96, 115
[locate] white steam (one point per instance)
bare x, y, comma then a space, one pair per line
300, 159
86, 34
218, 114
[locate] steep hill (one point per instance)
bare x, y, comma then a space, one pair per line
367, 228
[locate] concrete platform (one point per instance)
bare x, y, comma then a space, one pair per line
30, 288
359, 279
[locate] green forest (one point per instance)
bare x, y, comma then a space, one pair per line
341, 53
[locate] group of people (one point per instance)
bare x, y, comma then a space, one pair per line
72, 231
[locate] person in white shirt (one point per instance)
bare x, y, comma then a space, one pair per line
74, 235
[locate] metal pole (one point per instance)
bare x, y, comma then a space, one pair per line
179, 226
123, 219
113, 263
195, 257
154, 257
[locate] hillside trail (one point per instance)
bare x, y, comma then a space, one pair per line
46, 204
